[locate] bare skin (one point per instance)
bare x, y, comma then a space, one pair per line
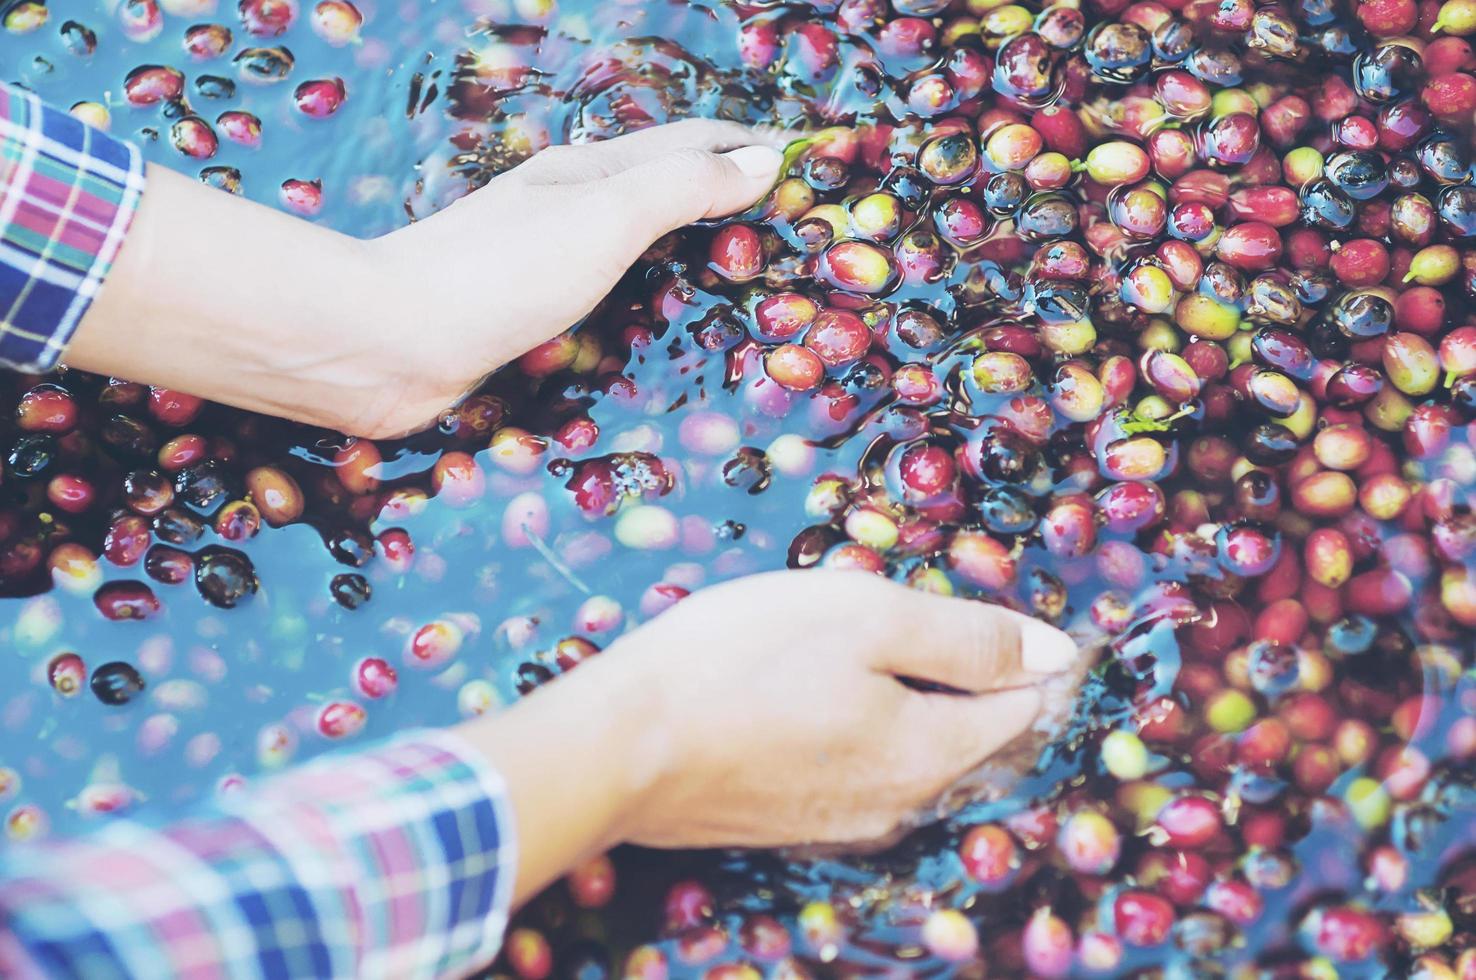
713, 726
238, 303
709, 726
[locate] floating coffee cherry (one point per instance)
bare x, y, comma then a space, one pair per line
1386, 73
305, 197
193, 137
264, 64
141, 20
224, 577
337, 21
207, 41
321, 97
1118, 52
857, 266
350, 590
1023, 69
240, 127
1325, 206
116, 683
168, 565
30, 456
202, 486
340, 719
737, 254
1457, 208
794, 367
838, 337
25, 17
152, 84
267, 18
375, 678
126, 601
67, 674
275, 494
178, 527
46, 408
949, 159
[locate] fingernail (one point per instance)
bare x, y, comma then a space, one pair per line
1045, 649
757, 161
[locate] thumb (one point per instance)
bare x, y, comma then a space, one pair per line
976, 647
683, 186
578, 163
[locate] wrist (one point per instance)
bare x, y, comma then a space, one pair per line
237, 303
582, 759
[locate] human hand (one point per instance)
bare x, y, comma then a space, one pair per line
531, 253
768, 712
240, 304
786, 719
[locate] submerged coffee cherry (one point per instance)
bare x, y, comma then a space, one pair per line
116, 683
1118, 52
1457, 210
949, 159
126, 601
350, 590
67, 674
1023, 69
224, 576
857, 266
737, 253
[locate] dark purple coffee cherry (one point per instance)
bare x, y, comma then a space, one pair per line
350, 590
116, 683
224, 576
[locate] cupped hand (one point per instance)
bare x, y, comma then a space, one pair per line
531, 253
788, 718
771, 711
235, 302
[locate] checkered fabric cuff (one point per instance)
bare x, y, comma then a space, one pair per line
395, 861
67, 195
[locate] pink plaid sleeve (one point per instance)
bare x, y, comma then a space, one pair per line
394, 861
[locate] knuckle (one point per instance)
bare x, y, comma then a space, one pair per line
694, 164
559, 151
548, 159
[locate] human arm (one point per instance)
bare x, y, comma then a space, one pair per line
758, 713
145, 274
767, 712
243, 305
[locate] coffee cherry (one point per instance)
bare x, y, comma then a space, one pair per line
116, 683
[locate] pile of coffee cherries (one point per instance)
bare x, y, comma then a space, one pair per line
1156, 320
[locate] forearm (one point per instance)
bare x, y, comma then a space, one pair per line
229, 300
375, 843
579, 758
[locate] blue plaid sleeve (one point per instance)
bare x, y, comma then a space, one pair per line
394, 861
68, 192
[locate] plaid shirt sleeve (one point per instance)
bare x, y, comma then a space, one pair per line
393, 861
67, 195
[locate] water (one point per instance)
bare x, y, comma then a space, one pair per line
439, 97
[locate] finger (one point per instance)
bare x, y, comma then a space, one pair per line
964, 730
624, 213
973, 646
592, 161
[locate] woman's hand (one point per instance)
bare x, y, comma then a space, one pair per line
531, 253
240, 304
766, 712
